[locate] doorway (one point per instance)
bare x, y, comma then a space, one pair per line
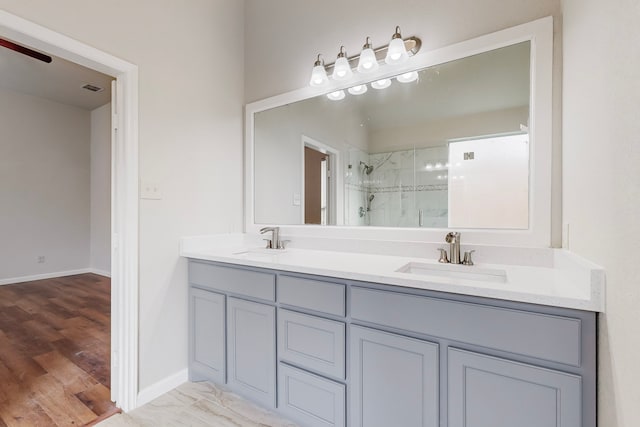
320, 188
124, 191
317, 172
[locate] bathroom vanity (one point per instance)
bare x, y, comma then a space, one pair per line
358, 324
345, 349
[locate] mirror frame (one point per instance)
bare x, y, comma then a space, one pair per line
540, 34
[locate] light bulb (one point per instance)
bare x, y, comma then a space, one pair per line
396, 52
336, 96
368, 61
318, 74
408, 77
341, 68
381, 84
357, 90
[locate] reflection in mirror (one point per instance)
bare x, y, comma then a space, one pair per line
448, 149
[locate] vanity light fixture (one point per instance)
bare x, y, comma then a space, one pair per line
357, 90
408, 77
381, 84
397, 52
319, 73
336, 96
342, 69
368, 61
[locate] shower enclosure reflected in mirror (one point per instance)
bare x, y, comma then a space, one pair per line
450, 149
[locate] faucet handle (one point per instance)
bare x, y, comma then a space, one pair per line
443, 256
282, 244
467, 257
269, 243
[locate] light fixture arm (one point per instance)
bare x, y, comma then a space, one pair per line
412, 44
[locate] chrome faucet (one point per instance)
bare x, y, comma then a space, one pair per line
453, 239
274, 242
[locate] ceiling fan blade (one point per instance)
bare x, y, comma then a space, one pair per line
25, 51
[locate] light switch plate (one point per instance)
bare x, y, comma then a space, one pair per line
150, 190
296, 199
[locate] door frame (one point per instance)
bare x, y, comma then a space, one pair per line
335, 188
124, 192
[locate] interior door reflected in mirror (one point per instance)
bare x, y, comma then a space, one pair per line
317, 177
448, 149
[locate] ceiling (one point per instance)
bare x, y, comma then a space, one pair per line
59, 81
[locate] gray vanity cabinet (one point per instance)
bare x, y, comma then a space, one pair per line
394, 380
486, 391
330, 352
251, 350
207, 336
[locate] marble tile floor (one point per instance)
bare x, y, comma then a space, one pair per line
198, 404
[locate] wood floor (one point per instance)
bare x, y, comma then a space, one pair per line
54, 351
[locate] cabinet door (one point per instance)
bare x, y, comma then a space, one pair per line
394, 380
206, 336
251, 347
486, 391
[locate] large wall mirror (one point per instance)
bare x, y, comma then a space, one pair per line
459, 139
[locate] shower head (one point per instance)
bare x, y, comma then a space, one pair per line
371, 197
367, 168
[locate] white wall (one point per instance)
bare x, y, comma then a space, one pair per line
190, 138
100, 246
283, 38
44, 186
278, 153
601, 179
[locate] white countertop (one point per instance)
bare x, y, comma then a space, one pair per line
553, 277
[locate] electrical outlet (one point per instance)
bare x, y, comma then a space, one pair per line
41, 259
150, 190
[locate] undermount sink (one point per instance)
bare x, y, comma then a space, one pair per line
454, 271
259, 251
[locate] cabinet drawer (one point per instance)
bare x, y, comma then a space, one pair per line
235, 280
310, 400
312, 294
546, 337
311, 342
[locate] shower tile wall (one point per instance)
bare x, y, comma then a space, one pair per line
356, 189
431, 185
402, 183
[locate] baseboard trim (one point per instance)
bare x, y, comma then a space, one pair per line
100, 272
13, 280
161, 387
